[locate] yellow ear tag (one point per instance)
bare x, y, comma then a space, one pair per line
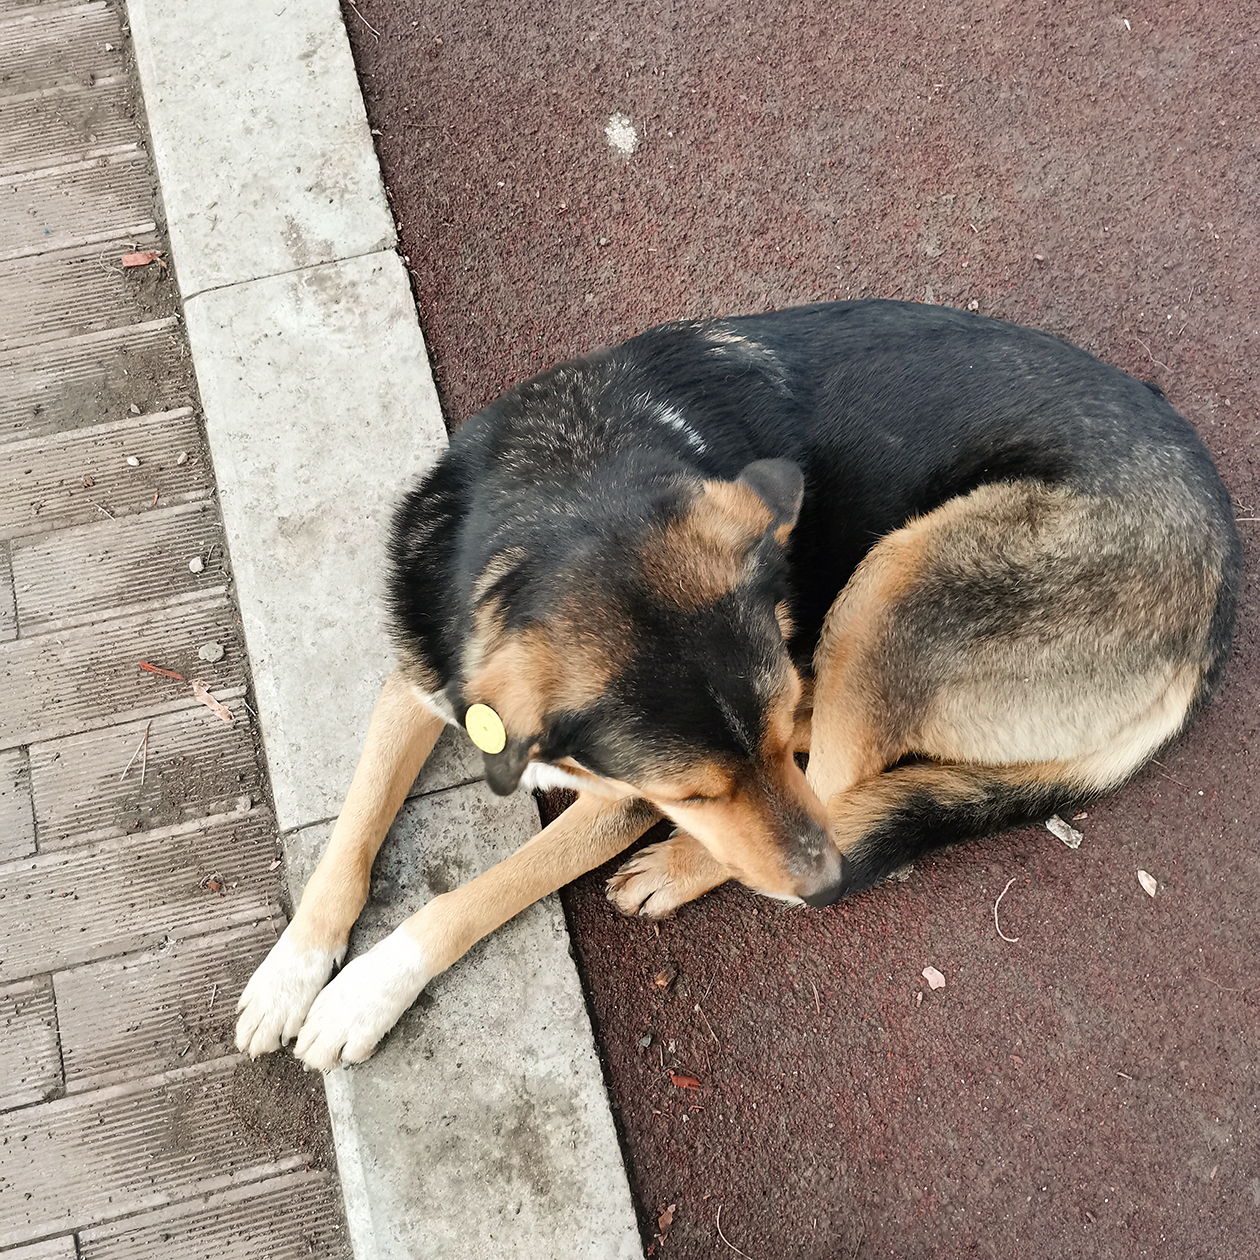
485, 727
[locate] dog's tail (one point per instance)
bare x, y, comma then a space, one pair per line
898, 816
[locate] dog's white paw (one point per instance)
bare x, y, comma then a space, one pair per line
278, 995
363, 1003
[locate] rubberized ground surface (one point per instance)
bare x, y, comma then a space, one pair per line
1091, 1088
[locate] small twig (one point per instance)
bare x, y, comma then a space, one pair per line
1146, 346
726, 1240
1012, 939
709, 1026
185, 1050
857, 1246
1171, 778
364, 20
144, 757
1126, 1076
1225, 988
212, 996
134, 755
1247, 518
817, 1007
98, 507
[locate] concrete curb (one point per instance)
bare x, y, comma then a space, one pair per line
481, 1127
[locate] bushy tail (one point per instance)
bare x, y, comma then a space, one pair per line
910, 810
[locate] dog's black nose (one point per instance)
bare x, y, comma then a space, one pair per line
831, 892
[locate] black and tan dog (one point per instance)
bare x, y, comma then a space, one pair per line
977, 575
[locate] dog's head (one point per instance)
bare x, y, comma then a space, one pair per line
649, 659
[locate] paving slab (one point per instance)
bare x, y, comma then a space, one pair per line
133, 893
8, 604
75, 576
290, 1217
30, 1066
17, 819
85, 475
104, 1154
503, 1118
130, 1016
53, 682
320, 410
260, 138
196, 766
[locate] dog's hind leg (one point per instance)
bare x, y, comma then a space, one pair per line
400, 736
1020, 649
661, 877
366, 998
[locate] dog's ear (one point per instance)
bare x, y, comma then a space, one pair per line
780, 485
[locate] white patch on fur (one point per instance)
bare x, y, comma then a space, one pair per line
678, 422
363, 1003
438, 704
541, 776
279, 994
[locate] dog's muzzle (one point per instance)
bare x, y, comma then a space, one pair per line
833, 883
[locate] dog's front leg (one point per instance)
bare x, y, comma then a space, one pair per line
364, 1002
401, 734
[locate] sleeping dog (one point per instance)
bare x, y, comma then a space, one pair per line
964, 572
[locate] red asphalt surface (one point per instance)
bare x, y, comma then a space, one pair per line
1092, 1088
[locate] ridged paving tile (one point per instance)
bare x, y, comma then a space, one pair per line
119, 896
8, 604
65, 205
89, 677
77, 575
71, 292
42, 479
56, 45
196, 766
73, 122
17, 819
112, 1152
76, 381
49, 1249
149, 1012
30, 1067
293, 1217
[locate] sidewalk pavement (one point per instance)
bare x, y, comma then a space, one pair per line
482, 1125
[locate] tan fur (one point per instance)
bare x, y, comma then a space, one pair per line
401, 734
589, 832
664, 876
700, 557
565, 664
848, 720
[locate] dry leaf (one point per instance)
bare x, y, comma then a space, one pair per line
684, 1082
934, 978
1148, 883
202, 693
142, 258
666, 1219
166, 673
1065, 831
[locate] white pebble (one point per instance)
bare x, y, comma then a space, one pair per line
133, 461
196, 564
